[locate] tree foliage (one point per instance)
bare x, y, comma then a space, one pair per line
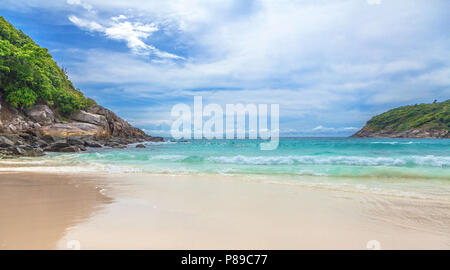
28, 74
435, 116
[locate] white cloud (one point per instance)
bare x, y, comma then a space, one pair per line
374, 2
89, 25
133, 33
118, 18
331, 129
118, 28
337, 60
88, 7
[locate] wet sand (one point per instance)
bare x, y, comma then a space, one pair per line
149, 211
37, 209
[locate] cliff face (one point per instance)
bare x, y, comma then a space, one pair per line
415, 121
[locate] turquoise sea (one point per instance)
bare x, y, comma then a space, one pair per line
418, 168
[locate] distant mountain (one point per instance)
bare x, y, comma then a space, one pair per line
414, 121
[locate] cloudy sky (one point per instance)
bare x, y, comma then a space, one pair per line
330, 64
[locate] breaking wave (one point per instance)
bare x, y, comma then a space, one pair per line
433, 161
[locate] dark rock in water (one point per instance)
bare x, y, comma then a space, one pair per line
114, 144
111, 143
121, 146
24, 150
56, 147
140, 146
82, 148
92, 144
157, 139
37, 152
69, 149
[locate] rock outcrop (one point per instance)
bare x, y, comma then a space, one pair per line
40, 129
366, 132
91, 118
74, 129
117, 126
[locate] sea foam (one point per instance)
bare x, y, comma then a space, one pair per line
434, 161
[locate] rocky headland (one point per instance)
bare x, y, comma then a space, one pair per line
40, 129
414, 121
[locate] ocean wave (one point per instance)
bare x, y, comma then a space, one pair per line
393, 143
311, 173
72, 168
156, 143
169, 157
433, 161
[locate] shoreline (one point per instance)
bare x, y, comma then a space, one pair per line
149, 211
363, 185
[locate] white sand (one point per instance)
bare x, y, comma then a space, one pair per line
148, 211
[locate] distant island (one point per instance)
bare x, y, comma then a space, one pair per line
414, 121
41, 110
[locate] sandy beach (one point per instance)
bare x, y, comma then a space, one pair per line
151, 211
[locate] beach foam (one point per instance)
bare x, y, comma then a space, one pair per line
334, 160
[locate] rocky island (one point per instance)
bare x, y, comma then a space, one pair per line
40, 109
414, 121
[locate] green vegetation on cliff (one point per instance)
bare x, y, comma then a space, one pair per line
28, 74
435, 116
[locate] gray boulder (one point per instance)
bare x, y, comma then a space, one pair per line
91, 118
92, 144
36, 152
69, 149
48, 138
75, 141
5, 142
41, 143
120, 146
56, 147
18, 151
41, 114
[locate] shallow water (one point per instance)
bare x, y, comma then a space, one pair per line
418, 168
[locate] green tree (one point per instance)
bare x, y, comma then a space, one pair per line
29, 75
